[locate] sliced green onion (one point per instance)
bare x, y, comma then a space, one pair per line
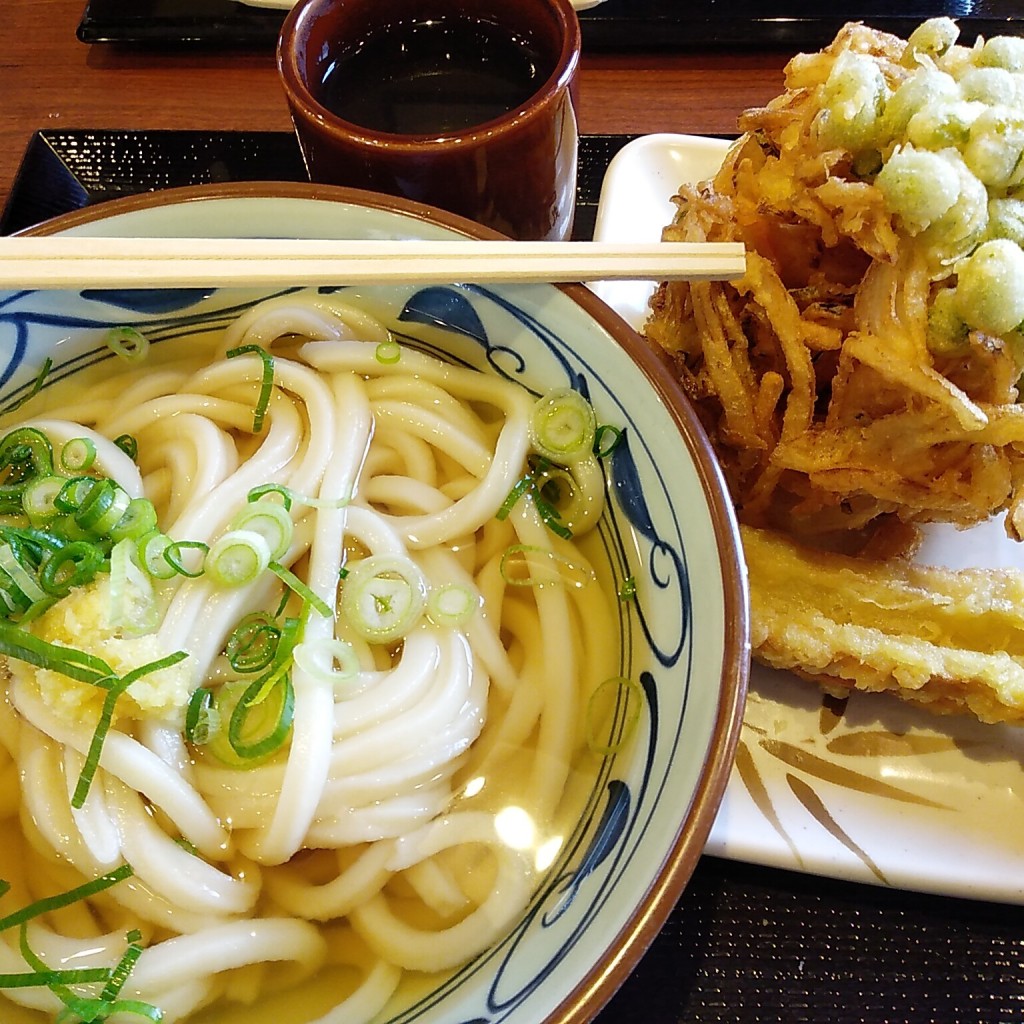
271, 521
37, 385
80, 665
102, 507
252, 645
612, 714
254, 734
331, 661
81, 1008
124, 967
262, 490
202, 719
237, 558
383, 597
174, 554
71, 566
453, 604
512, 499
266, 385
25, 454
259, 726
133, 606
548, 513
38, 500
563, 426
557, 496
53, 978
128, 445
388, 352
290, 580
606, 439
118, 687
24, 580
74, 492
78, 455
48, 904
139, 519
627, 592
290, 497
128, 343
526, 565
152, 551
42, 968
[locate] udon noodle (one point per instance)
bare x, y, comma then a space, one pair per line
420, 793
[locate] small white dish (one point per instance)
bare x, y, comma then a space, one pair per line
883, 793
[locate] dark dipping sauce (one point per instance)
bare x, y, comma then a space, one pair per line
432, 77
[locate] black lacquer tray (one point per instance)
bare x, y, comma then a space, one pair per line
612, 25
66, 170
745, 944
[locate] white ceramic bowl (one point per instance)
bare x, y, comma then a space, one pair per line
603, 900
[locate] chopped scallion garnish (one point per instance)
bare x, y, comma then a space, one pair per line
388, 352
78, 455
383, 597
562, 426
452, 605
266, 384
606, 439
128, 342
128, 445
548, 513
202, 719
254, 736
527, 565
65, 899
293, 582
613, 711
115, 690
271, 520
176, 550
253, 643
237, 558
331, 661
37, 385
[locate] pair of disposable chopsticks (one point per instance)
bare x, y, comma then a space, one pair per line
75, 262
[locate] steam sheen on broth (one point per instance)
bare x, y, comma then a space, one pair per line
421, 792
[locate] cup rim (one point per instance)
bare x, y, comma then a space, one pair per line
300, 96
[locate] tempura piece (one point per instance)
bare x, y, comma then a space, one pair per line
952, 642
863, 374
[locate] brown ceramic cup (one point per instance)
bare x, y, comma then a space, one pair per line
514, 172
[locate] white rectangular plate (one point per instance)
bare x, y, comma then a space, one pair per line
881, 793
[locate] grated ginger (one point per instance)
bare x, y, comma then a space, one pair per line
80, 620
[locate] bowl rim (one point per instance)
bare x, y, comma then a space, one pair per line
625, 950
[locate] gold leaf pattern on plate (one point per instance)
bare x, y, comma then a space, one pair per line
751, 777
839, 775
879, 743
817, 809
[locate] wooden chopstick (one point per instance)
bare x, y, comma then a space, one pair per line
75, 262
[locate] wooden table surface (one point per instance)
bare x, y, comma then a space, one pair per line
50, 80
